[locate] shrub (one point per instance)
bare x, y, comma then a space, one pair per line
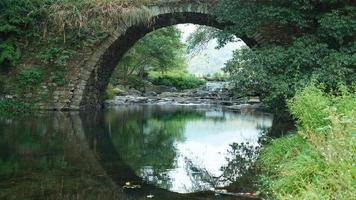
180, 80
13, 106
310, 107
29, 77
311, 165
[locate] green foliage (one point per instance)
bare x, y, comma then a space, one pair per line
15, 18
302, 40
308, 164
275, 73
339, 26
179, 79
310, 106
160, 50
199, 40
55, 56
29, 78
13, 106
9, 53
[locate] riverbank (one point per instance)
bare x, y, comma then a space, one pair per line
317, 161
213, 93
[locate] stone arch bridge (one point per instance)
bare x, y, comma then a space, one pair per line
86, 85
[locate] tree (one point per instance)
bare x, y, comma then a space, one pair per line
302, 40
161, 50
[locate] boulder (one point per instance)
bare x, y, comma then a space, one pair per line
133, 91
151, 93
138, 100
119, 91
254, 100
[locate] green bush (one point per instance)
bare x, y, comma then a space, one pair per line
29, 78
310, 107
180, 80
317, 162
13, 106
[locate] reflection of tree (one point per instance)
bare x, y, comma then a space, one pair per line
238, 173
146, 140
201, 179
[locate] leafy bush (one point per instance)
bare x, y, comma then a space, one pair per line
57, 57
13, 106
15, 18
317, 161
9, 54
29, 78
310, 107
178, 79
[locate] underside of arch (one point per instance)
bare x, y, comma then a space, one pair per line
89, 90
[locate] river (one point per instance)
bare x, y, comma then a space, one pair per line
136, 151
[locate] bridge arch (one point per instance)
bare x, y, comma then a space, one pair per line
87, 85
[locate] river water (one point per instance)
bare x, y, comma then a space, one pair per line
135, 151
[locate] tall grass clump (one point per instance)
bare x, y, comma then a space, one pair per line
108, 15
318, 161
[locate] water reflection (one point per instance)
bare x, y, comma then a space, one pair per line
93, 155
45, 157
182, 149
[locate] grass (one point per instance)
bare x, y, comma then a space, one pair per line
179, 79
317, 161
108, 14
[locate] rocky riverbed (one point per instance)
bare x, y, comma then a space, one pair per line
213, 93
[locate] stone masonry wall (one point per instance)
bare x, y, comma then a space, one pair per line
87, 85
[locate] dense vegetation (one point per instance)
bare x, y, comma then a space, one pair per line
316, 162
302, 40
160, 51
159, 57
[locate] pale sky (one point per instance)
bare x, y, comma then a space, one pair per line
210, 60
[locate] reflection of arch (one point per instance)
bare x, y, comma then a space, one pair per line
111, 161
85, 88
